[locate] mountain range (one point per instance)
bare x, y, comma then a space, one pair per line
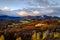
43, 17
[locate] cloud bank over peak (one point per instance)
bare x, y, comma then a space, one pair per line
35, 12
30, 12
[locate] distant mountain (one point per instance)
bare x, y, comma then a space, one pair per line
43, 17
5, 17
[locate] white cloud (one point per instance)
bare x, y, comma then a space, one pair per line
48, 11
22, 13
6, 8
36, 12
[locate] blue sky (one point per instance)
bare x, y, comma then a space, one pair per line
23, 5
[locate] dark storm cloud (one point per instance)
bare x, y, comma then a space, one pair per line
56, 12
38, 3
9, 13
43, 3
